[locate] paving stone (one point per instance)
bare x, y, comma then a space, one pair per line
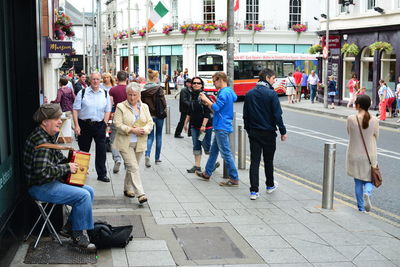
250, 219
325, 227
180, 213
197, 206
146, 245
119, 257
390, 252
217, 212
350, 252
150, 258
224, 204
181, 220
334, 264
254, 229
302, 240
206, 213
270, 241
342, 239
270, 219
320, 254
165, 206
193, 213
230, 212
292, 265
290, 228
369, 254
246, 265
361, 263
168, 214
210, 219
281, 255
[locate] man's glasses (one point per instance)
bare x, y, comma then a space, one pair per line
197, 83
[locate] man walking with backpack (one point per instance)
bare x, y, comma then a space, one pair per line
91, 112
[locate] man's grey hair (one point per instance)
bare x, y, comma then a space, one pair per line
95, 73
134, 87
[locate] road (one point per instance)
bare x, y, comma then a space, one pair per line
301, 156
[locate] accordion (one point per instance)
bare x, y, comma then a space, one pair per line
82, 158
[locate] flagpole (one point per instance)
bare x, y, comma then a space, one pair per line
147, 37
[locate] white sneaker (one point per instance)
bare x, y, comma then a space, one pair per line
367, 203
147, 162
271, 189
117, 164
254, 195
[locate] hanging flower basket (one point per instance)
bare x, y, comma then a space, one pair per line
142, 32
167, 29
223, 27
315, 49
115, 36
132, 32
210, 27
381, 46
63, 27
184, 28
299, 28
350, 49
122, 35
255, 27
196, 27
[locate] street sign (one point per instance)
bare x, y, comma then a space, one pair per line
325, 52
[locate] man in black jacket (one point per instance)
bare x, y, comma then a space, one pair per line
262, 114
184, 103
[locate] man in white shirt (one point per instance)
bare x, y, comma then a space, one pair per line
313, 81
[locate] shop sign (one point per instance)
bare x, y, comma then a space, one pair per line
334, 41
208, 39
58, 47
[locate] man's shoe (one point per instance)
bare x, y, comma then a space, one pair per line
117, 164
158, 162
147, 162
178, 136
66, 230
253, 195
202, 175
367, 203
193, 169
230, 183
104, 179
271, 189
80, 240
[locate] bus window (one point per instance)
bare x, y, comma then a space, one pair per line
210, 63
288, 67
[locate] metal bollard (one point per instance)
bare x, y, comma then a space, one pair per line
168, 121
241, 147
232, 140
329, 176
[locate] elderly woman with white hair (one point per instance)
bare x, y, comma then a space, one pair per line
133, 122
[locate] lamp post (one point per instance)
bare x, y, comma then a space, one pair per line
327, 58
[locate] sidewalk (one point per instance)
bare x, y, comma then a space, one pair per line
338, 111
190, 222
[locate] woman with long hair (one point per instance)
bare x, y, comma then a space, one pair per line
357, 163
386, 97
353, 85
108, 81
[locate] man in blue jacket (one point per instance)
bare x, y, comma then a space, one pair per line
222, 125
262, 114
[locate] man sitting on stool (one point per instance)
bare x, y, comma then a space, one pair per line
46, 170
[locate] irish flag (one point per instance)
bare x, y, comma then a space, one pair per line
159, 11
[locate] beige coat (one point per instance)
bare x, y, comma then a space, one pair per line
357, 164
124, 122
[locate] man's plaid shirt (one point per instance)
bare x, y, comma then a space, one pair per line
43, 165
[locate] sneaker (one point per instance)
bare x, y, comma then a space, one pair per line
193, 169
271, 189
117, 164
79, 239
158, 162
253, 195
367, 203
147, 162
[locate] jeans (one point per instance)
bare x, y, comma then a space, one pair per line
115, 152
206, 143
362, 187
313, 92
221, 144
261, 142
79, 198
158, 129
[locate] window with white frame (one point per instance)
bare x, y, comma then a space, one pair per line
294, 12
252, 8
370, 4
114, 19
209, 11
174, 7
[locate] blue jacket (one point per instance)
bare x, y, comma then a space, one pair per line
262, 109
223, 109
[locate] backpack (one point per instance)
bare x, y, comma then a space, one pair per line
106, 236
159, 105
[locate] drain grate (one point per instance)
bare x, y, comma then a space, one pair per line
120, 220
206, 243
51, 252
115, 202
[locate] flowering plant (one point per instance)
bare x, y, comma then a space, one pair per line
254, 27
196, 27
122, 35
115, 36
142, 32
132, 32
223, 27
315, 49
167, 29
299, 28
184, 28
350, 49
63, 26
210, 27
384, 46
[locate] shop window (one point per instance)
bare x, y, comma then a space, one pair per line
285, 48
114, 19
294, 12
174, 8
388, 69
252, 9
266, 48
370, 4
367, 69
209, 11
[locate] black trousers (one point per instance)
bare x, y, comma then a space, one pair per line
261, 142
181, 123
96, 131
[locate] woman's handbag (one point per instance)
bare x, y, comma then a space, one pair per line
376, 177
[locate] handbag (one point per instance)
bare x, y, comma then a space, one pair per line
376, 177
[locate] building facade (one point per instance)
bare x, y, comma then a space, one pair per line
367, 24
177, 51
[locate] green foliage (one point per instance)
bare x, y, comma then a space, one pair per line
381, 46
315, 49
350, 49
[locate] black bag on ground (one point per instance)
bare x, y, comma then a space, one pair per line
106, 236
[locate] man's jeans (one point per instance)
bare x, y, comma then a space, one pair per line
221, 144
313, 92
362, 187
79, 198
115, 153
150, 139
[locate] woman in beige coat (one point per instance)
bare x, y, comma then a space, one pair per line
133, 123
357, 163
